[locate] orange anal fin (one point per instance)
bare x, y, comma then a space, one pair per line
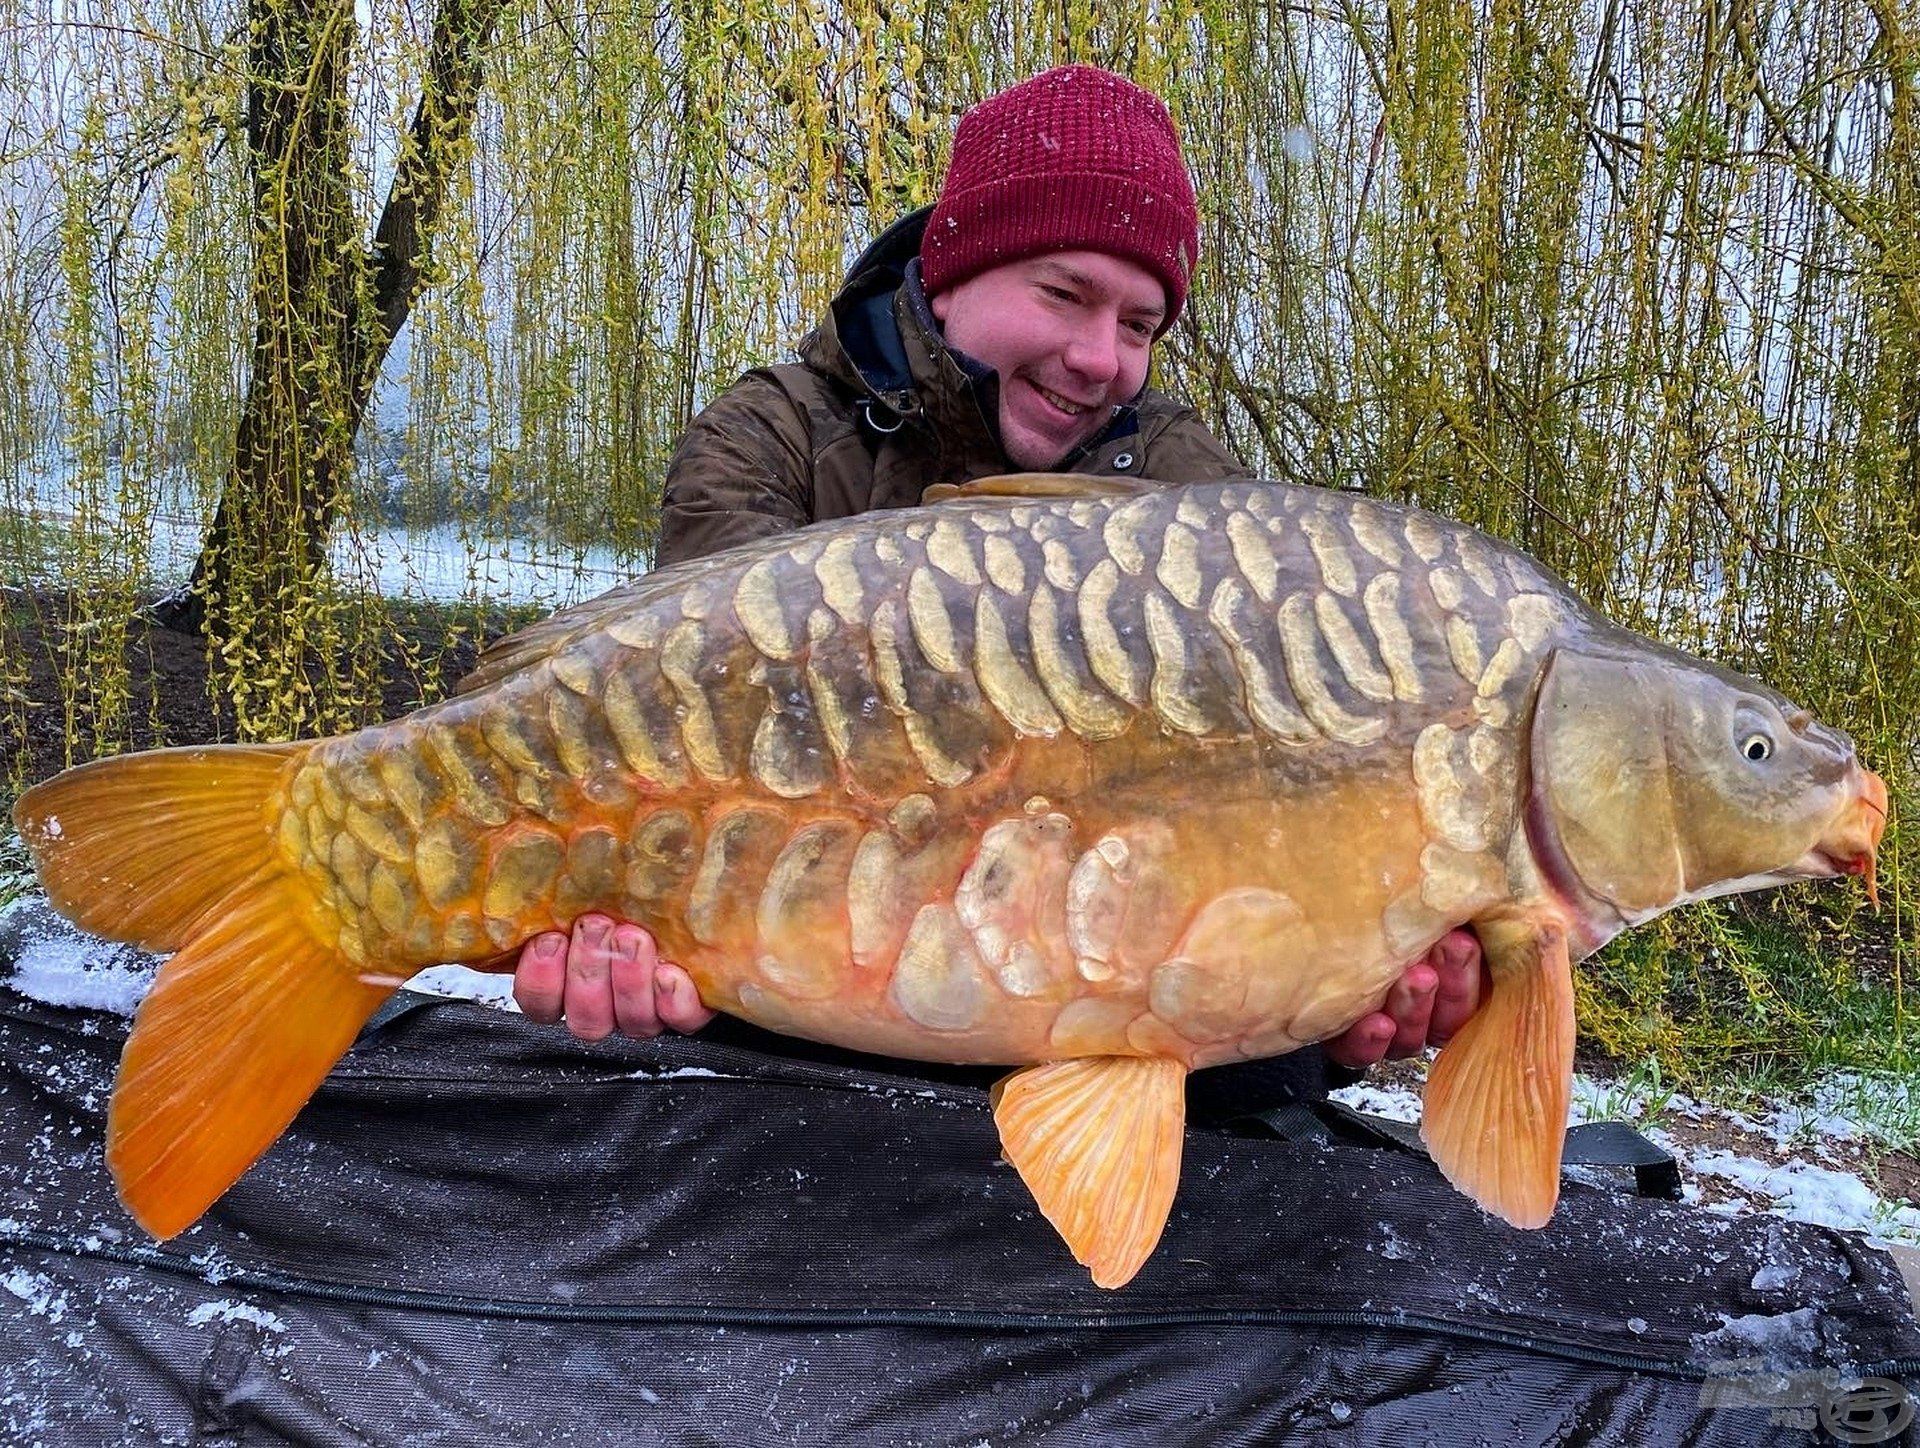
1495, 1114
1097, 1141
239, 1030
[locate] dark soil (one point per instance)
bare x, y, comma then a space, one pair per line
170, 702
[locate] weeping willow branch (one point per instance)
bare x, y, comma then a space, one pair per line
327, 308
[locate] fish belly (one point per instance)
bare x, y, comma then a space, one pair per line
1056, 928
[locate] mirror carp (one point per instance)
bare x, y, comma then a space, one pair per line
1106, 781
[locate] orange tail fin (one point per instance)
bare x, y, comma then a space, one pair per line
175, 850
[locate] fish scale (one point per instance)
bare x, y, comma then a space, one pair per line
1056, 772
773, 706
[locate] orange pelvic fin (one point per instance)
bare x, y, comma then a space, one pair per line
176, 850
1097, 1141
1495, 1115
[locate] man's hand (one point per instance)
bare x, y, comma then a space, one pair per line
1431, 1000
608, 976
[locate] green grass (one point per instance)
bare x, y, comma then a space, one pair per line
1764, 996
16, 874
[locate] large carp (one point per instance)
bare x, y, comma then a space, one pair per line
1104, 780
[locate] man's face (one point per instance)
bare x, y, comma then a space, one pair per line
1070, 333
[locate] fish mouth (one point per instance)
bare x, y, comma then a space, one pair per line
1851, 845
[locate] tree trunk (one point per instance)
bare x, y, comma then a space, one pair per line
326, 307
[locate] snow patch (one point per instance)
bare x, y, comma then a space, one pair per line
456, 982
1809, 1193
1777, 1337
38, 1292
59, 965
1396, 1103
233, 1310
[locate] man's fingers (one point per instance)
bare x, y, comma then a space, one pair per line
1362, 1044
540, 977
606, 975
1410, 1003
678, 1000
635, 959
1456, 959
589, 978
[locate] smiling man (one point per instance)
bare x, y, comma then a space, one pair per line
1010, 327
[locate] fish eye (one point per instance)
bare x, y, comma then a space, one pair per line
1756, 747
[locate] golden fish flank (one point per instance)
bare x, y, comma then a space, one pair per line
1123, 534
1373, 532
1449, 591
839, 577
1110, 659
1425, 536
787, 753
814, 769
1477, 561
1190, 511
660, 855
1012, 901
1004, 565
948, 550
801, 917
1253, 556
680, 665
1179, 566
1356, 663
1389, 625
938, 980
923, 738
1004, 678
1176, 692
757, 604
1061, 569
1089, 710
894, 868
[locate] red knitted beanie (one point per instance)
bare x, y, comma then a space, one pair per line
1074, 159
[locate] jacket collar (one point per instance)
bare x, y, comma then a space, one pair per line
881, 339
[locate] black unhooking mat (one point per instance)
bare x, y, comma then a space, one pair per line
481, 1232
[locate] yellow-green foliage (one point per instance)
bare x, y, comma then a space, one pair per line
1634, 285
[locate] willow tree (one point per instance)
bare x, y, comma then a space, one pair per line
327, 302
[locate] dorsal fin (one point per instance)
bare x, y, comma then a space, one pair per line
1041, 485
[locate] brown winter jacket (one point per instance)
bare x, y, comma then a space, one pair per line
878, 409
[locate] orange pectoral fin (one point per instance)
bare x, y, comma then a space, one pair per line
1097, 1141
1495, 1115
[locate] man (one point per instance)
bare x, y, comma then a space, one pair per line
1010, 329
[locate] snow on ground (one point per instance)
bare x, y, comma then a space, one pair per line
1807, 1158
1797, 1154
